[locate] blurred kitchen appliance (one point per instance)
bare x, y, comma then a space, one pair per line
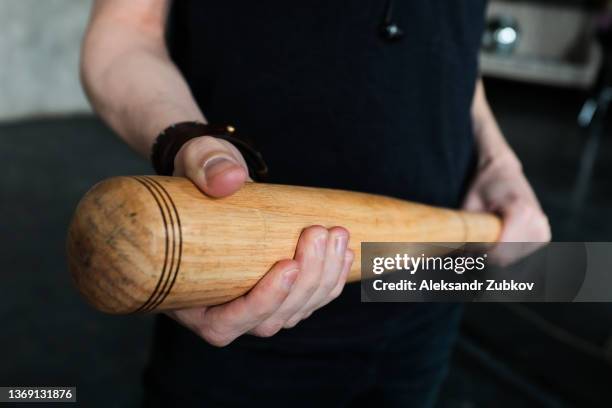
546, 42
555, 43
501, 35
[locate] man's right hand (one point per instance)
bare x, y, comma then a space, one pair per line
136, 88
292, 289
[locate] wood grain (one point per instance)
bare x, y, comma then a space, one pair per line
148, 243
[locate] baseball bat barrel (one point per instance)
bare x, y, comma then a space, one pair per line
148, 243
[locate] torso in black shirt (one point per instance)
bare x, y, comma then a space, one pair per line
330, 103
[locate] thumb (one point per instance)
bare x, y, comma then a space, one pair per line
214, 165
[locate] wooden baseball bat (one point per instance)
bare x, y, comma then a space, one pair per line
147, 243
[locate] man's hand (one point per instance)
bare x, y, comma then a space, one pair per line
501, 187
136, 88
292, 289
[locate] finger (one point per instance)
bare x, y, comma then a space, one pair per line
214, 165
337, 291
515, 215
222, 324
310, 254
190, 318
473, 202
335, 254
346, 269
525, 226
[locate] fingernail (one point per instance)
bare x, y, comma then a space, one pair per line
217, 164
340, 244
289, 279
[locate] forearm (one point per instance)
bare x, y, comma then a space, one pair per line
490, 141
132, 83
499, 185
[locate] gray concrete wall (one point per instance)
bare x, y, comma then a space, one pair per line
39, 53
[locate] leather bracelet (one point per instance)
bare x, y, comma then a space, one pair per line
170, 141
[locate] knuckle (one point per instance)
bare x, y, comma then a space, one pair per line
286, 264
268, 329
291, 323
337, 291
215, 332
215, 338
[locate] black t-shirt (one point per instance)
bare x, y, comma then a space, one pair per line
330, 103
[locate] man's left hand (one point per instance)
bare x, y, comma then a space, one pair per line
501, 187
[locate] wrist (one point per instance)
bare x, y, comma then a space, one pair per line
492, 148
